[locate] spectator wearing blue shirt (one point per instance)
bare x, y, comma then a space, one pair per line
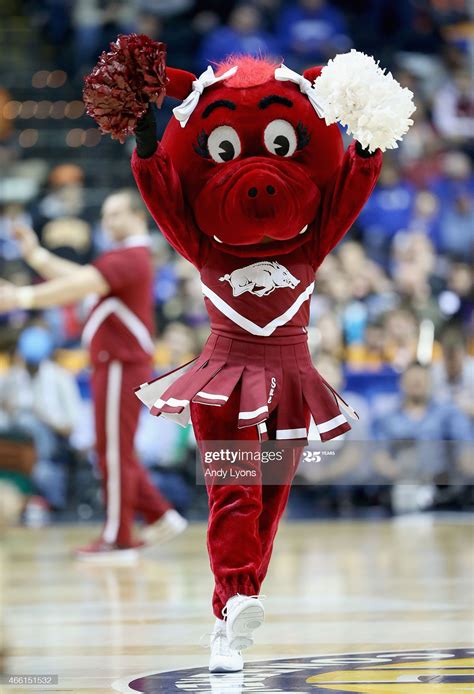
388, 210
40, 398
421, 437
456, 178
457, 228
243, 34
426, 217
311, 32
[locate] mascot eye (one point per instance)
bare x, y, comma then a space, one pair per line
224, 144
280, 138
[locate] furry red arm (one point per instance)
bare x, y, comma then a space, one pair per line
160, 188
342, 204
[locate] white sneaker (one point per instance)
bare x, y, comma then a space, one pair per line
223, 658
243, 615
165, 528
102, 552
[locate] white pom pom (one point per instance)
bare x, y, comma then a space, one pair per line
358, 94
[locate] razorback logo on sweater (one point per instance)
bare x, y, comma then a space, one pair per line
260, 278
258, 297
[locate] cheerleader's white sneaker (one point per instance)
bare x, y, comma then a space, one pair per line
165, 528
243, 615
223, 658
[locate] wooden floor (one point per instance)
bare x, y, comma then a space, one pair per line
333, 588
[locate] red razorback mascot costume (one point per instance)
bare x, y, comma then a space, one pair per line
251, 184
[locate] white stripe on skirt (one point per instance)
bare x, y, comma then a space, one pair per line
331, 424
112, 455
291, 433
253, 413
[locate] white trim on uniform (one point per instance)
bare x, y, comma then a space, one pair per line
112, 453
291, 433
172, 402
123, 313
331, 424
212, 396
253, 413
249, 325
150, 393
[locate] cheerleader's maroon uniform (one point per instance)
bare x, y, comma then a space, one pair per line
118, 333
255, 367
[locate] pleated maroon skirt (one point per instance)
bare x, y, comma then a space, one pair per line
274, 373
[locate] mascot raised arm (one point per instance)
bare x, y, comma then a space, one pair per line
251, 184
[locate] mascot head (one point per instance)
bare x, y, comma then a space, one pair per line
251, 151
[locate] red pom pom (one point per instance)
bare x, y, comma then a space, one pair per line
125, 79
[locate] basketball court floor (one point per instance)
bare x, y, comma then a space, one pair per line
369, 607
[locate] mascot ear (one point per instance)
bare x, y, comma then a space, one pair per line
313, 72
180, 83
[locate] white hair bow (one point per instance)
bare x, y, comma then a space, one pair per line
284, 74
185, 109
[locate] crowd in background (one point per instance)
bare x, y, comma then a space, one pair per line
391, 323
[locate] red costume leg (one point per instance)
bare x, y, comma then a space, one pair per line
275, 499
243, 519
127, 487
233, 539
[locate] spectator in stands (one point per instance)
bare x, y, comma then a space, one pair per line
422, 34
453, 108
413, 250
400, 337
412, 434
328, 337
52, 19
413, 268
460, 293
455, 178
457, 228
180, 343
310, 32
269, 10
374, 357
368, 282
242, 34
389, 209
169, 21
94, 24
453, 376
420, 152
426, 217
41, 398
60, 215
